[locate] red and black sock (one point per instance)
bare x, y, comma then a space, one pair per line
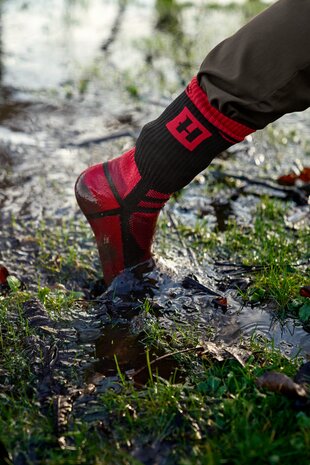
122, 198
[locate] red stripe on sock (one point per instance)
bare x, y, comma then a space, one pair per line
199, 98
150, 204
157, 195
124, 173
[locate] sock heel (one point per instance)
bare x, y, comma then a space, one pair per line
102, 211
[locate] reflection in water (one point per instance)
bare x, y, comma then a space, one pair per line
288, 335
181, 308
47, 43
118, 343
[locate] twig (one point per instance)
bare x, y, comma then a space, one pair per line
297, 195
239, 267
99, 140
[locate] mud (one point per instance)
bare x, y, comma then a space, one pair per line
181, 301
72, 95
118, 343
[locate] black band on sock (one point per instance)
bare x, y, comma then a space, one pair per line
174, 148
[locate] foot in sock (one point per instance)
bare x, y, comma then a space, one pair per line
122, 198
122, 210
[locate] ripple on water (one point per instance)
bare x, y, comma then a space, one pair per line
288, 335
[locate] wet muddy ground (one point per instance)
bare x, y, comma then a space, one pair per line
79, 80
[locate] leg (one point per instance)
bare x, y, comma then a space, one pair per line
263, 71
122, 198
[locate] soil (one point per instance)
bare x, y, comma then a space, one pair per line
68, 100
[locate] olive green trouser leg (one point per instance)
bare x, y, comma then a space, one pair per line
263, 71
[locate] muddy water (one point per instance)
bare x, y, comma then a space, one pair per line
68, 73
117, 343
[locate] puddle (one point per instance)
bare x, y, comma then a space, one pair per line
46, 44
187, 305
198, 308
117, 342
289, 336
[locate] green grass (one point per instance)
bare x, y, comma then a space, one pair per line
212, 419
216, 416
58, 301
14, 337
65, 249
267, 243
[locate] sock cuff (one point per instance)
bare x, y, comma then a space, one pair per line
230, 127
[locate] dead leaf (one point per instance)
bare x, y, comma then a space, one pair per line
239, 354
305, 174
282, 384
3, 274
291, 178
95, 378
287, 179
90, 388
305, 291
221, 352
221, 302
62, 442
62, 408
210, 348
